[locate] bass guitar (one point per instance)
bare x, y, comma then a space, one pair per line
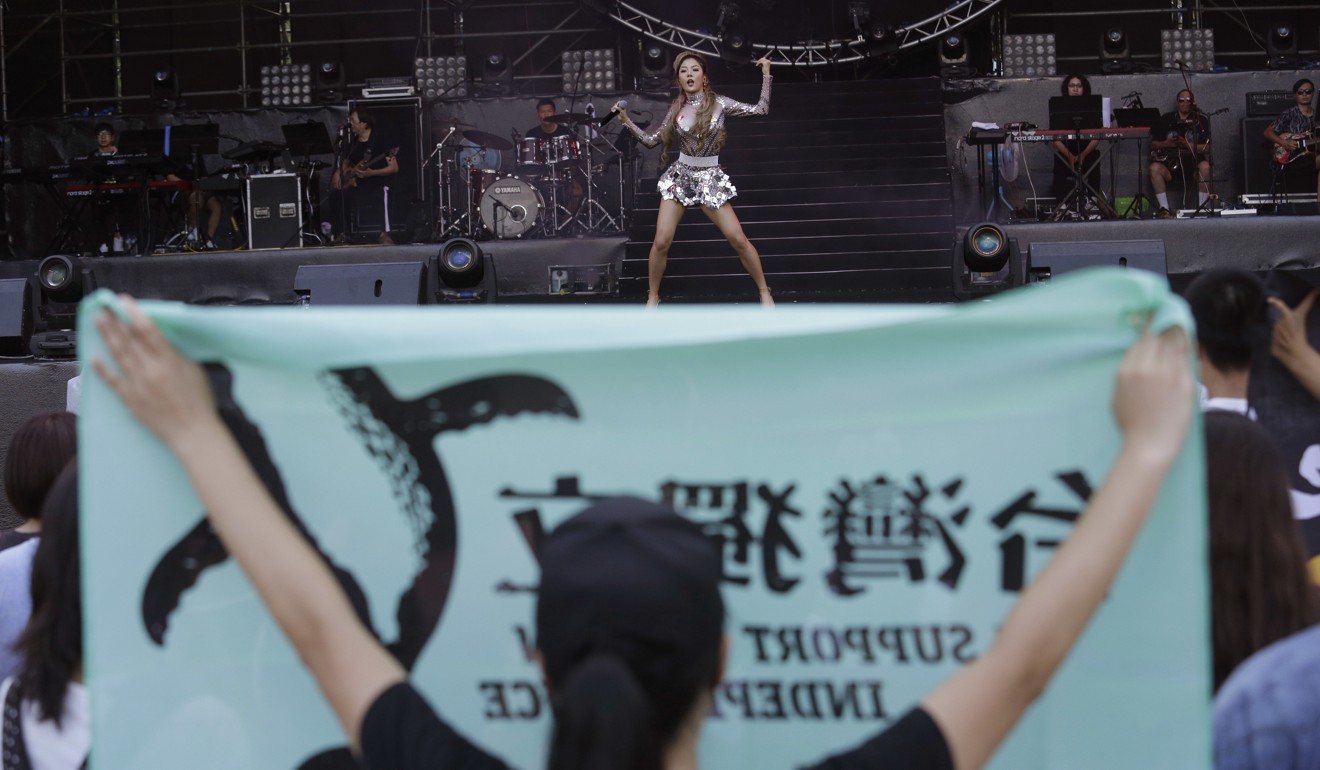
1283, 156
348, 177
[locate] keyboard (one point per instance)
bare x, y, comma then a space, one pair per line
1086, 134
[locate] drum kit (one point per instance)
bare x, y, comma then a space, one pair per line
553, 191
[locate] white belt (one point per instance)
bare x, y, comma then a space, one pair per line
700, 161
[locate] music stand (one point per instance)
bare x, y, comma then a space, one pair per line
1138, 117
142, 140
307, 139
1076, 114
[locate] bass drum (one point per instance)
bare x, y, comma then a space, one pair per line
510, 207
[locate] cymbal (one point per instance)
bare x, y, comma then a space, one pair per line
487, 140
569, 117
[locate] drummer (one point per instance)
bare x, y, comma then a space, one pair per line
544, 131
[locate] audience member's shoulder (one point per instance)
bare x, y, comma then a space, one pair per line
19, 555
1267, 714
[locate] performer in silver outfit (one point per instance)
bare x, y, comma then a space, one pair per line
696, 120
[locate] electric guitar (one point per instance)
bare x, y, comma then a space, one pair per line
348, 177
1283, 156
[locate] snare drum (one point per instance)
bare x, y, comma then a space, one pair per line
531, 151
510, 206
564, 149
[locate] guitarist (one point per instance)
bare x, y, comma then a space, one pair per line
1180, 141
1291, 131
362, 176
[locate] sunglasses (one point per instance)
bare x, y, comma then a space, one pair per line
1305, 91
1184, 99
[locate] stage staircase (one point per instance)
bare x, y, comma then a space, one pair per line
843, 188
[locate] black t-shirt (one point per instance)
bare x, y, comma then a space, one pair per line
376, 149
535, 131
402, 732
1195, 129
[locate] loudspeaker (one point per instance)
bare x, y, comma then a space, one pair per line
15, 316
274, 211
1052, 259
1257, 168
388, 283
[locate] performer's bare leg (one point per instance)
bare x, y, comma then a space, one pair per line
731, 228
665, 224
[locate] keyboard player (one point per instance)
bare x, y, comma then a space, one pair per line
1075, 153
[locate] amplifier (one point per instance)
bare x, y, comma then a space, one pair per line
274, 211
1268, 104
388, 92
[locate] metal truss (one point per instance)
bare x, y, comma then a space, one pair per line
813, 54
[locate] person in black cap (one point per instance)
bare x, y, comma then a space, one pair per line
629, 620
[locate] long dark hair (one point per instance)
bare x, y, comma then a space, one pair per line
1259, 588
1086, 84
701, 123
52, 643
629, 619
39, 450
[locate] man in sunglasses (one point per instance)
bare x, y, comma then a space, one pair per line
1179, 147
1292, 134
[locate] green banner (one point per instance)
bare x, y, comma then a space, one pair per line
883, 482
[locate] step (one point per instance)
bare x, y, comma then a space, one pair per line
692, 229
801, 263
868, 285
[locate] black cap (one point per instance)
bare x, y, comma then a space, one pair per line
630, 578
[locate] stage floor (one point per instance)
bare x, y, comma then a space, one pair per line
585, 270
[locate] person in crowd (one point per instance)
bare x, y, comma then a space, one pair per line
1227, 305
1293, 134
45, 715
629, 621
1075, 154
39, 449
1289, 343
696, 122
1180, 146
1259, 588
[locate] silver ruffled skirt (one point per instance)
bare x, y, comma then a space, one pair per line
709, 187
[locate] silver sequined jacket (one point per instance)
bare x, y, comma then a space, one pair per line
687, 142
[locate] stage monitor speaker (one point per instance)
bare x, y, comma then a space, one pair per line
1257, 151
387, 283
274, 211
1051, 259
15, 316
400, 122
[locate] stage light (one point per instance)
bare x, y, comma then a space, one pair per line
1115, 55
286, 85
654, 68
953, 56
1189, 49
986, 261
1029, 56
61, 282
496, 75
460, 272
589, 71
330, 82
734, 44
165, 89
442, 77
1281, 48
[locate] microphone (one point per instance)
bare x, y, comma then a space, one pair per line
618, 108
